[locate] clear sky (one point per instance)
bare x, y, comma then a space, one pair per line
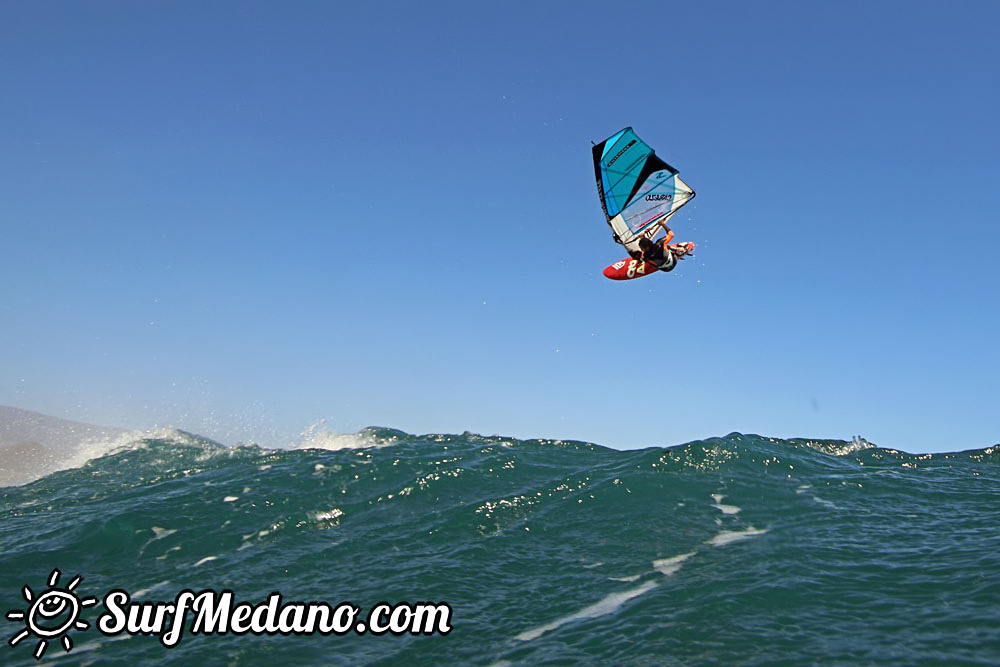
241, 218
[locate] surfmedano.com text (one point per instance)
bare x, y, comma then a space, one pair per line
216, 613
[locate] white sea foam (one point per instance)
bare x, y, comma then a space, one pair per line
94, 449
725, 509
825, 503
158, 534
730, 536
23, 462
806, 488
164, 556
668, 566
608, 605
145, 591
328, 515
318, 436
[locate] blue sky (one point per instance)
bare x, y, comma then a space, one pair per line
241, 218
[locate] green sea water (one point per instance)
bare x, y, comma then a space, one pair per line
734, 550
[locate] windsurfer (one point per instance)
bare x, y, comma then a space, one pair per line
660, 253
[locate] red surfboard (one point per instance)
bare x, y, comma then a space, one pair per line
629, 269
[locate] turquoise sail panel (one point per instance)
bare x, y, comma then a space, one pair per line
621, 164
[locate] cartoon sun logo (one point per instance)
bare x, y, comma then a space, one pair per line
51, 615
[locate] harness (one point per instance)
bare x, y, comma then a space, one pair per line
665, 263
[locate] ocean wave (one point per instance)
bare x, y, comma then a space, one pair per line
545, 549
175, 447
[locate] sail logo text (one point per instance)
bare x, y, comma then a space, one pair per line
619, 153
659, 197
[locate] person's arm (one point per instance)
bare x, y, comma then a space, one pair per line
670, 235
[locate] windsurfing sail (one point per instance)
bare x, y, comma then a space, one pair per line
639, 191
